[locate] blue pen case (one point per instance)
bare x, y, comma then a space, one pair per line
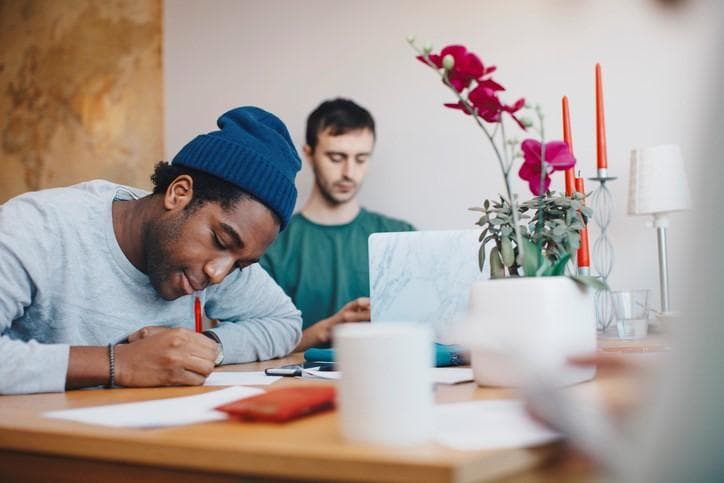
445, 355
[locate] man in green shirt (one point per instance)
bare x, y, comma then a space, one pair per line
320, 260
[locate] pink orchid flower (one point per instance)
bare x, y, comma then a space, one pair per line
512, 109
484, 98
558, 158
467, 67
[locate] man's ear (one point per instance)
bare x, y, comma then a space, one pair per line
308, 154
179, 193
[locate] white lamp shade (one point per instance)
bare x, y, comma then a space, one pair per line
657, 181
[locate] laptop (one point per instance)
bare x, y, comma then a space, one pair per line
424, 277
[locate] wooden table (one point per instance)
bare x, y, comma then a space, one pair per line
34, 448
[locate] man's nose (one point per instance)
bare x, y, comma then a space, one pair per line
349, 169
218, 268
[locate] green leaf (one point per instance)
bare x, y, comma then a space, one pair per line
559, 230
476, 208
559, 267
531, 258
486, 204
592, 282
481, 256
506, 251
544, 268
497, 270
482, 235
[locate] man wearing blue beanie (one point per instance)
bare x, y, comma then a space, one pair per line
91, 265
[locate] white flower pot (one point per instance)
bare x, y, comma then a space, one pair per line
529, 326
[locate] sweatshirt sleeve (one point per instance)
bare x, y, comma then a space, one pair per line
25, 367
257, 320
29, 367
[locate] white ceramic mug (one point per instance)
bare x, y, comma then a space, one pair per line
385, 394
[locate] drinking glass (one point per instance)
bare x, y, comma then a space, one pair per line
631, 311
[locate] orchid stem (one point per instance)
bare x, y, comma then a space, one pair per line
503, 161
495, 130
509, 191
543, 173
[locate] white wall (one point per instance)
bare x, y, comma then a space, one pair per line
431, 163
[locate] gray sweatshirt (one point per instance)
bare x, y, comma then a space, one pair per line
64, 281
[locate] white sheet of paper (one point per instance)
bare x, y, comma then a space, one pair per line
451, 375
314, 374
160, 412
440, 375
490, 424
240, 379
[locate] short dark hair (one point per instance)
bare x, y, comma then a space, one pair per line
207, 187
339, 116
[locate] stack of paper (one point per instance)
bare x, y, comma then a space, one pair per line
240, 379
159, 413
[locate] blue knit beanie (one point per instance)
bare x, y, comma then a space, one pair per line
252, 150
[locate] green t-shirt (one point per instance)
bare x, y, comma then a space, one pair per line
322, 267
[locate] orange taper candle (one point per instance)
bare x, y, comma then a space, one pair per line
569, 173
584, 261
602, 161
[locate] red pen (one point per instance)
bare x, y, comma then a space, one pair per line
197, 314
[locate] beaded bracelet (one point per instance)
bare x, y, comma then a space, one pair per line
112, 364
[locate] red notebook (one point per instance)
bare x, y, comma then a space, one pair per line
280, 405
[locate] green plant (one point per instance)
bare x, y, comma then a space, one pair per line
555, 223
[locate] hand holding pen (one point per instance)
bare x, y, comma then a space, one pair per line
165, 357
162, 356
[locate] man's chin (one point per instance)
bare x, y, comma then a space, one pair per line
342, 198
170, 297
165, 291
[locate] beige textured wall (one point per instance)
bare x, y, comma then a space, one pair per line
81, 92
